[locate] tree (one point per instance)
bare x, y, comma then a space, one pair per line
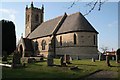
118, 55
104, 49
8, 38
93, 4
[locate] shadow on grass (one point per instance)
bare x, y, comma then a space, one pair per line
114, 66
85, 64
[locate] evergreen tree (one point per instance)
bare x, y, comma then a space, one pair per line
8, 38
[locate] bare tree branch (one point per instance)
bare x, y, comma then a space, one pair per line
94, 5
101, 3
73, 4
91, 4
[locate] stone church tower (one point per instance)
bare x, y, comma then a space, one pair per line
34, 17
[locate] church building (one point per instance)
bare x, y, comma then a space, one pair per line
67, 34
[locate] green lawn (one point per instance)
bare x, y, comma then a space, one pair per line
41, 70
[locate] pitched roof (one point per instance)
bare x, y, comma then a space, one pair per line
45, 29
76, 22
71, 23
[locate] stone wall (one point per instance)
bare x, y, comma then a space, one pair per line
39, 40
85, 46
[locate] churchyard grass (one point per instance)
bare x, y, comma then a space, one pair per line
41, 70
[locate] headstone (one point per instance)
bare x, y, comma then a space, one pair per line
65, 58
50, 59
62, 61
68, 59
16, 60
108, 60
50, 56
71, 59
93, 59
78, 58
31, 60
74, 68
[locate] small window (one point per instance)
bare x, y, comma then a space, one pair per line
75, 39
37, 18
60, 40
43, 44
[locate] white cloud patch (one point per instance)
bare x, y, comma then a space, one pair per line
113, 24
8, 14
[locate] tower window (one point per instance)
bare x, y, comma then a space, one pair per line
43, 44
37, 18
75, 39
60, 40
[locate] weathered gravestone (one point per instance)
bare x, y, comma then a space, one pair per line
108, 60
50, 56
31, 60
62, 61
50, 60
65, 60
68, 59
16, 60
93, 59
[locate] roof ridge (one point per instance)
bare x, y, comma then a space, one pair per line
60, 22
74, 13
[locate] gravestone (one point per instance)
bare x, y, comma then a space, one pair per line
93, 59
108, 60
50, 60
31, 60
65, 60
62, 62
50, 56
68, 59
16, 60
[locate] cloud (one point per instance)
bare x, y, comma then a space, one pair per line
8, 14
113, 24
12, 17
8, 11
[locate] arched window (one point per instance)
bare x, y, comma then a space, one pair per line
36, 45
36, 18
43, 44
60, 40
75, 39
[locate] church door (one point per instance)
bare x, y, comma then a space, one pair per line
21, 50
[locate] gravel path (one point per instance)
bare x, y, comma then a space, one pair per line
104, 74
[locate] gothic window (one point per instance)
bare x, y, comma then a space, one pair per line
36, 45
43, 44
94, 40
36, 18
60, 40
75, 40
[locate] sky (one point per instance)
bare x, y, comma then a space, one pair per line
104, 21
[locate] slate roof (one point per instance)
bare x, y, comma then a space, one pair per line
72, 23
76, 22
45, 29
